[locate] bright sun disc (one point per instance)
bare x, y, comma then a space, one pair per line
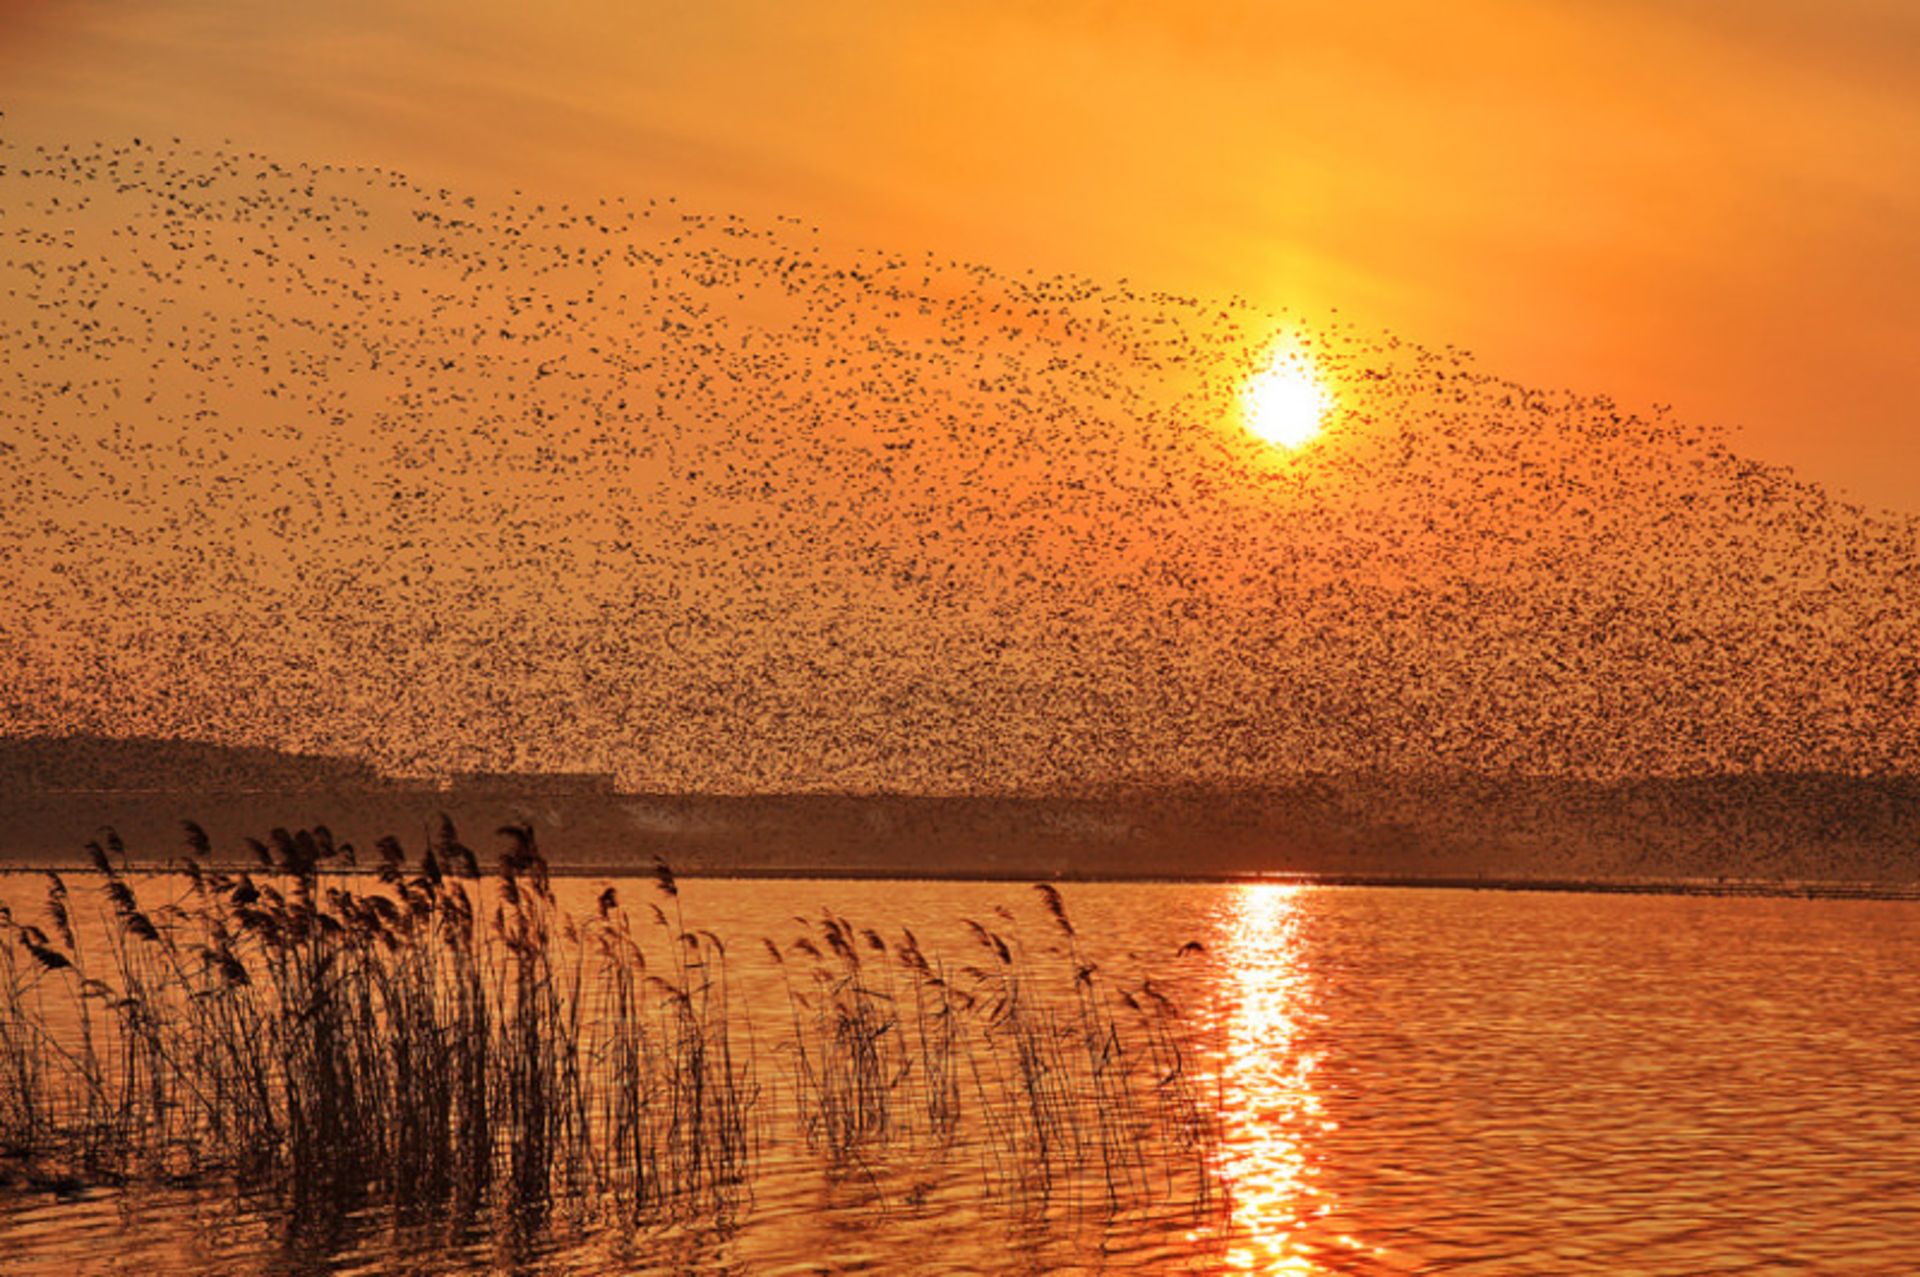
1285, 405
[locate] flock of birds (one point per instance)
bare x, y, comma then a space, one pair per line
317, 457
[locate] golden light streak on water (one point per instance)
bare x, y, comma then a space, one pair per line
1273, 1115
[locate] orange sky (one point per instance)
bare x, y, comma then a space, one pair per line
1705, 204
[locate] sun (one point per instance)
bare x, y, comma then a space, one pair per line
1286, 404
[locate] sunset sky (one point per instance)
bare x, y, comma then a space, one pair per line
1709, 204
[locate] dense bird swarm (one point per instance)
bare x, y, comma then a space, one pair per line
320, 458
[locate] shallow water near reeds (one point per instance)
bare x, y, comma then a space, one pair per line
1406, 1080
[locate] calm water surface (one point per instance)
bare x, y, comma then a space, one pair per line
1413, 1081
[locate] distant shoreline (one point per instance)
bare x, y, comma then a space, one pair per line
1807, 836
1750, 889
1811, 891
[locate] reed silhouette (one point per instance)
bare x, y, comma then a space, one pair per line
420, 1037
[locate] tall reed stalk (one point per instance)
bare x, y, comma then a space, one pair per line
413, 1033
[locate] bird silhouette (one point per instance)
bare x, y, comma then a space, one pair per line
317, 457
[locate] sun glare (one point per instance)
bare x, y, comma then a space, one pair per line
1286, 404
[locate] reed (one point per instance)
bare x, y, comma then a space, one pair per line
416, 1034
1084, 1090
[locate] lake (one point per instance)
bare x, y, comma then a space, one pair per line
1404, 1080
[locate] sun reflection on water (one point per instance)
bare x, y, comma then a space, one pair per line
1273, 1115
